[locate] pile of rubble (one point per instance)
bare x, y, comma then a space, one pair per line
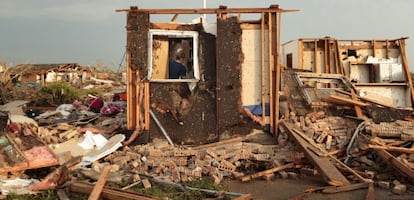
347, 151
180, 164
364, 152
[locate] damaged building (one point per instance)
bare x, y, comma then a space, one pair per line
47, 73
339, 111
321, 92
233, 73
332, 70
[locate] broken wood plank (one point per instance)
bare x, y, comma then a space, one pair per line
269, 171
131, 185
317, 189
107, 192
357, 108
401, 167
97, 189
322, 153
229, 141
346, 188
328, 171
367, 99
362, 179
392, 148
346, 100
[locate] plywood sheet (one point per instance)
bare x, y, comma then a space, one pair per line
160, 58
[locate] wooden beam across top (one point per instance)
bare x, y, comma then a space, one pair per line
272, 9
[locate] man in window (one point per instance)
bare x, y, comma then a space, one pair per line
176, 69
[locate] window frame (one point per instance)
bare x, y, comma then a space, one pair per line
174, 34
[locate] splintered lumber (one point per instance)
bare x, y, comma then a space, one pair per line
346, 188
403, 168
358, 109
391, 148
107, 192
328, 171
269, 171
367, 99
347, 101
96, 192
229, 141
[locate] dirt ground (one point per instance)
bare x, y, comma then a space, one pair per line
289, 188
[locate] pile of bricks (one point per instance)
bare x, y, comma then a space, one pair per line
330, 132
179, 164
403, 130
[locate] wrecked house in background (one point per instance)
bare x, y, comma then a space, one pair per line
234, 73
46, 73
346, 71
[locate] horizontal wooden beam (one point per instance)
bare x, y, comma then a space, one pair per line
351, 40
208, 10
247, 26
380, 84
367, 46
346, 100
392, 148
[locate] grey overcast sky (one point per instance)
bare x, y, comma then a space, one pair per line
90, 31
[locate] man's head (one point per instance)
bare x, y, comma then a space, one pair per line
179, 55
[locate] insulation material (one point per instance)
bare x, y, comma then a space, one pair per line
251, 68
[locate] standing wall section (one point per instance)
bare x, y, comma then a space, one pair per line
138, 24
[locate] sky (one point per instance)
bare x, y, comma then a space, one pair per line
92, 32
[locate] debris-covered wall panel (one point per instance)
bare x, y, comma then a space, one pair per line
207, 60
137, 40
137, 64
229, 61
191, 124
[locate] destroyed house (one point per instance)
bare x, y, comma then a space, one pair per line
46, 73
232, 65
350, 72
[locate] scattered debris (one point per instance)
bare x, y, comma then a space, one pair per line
352, 121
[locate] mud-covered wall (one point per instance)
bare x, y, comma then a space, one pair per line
137, 40
207, 60
194, 123
231, 118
